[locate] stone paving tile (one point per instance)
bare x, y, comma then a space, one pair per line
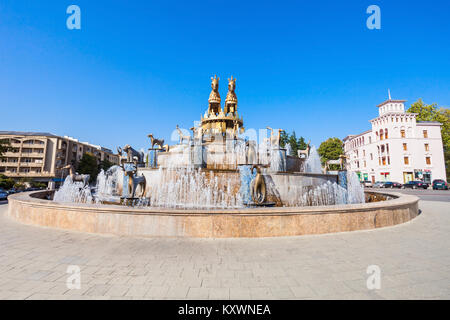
240, 294
304, 291
198, 293
413, 257
219, 293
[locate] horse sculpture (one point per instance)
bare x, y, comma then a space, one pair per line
259, 186
275, 138
183, 136
131, 153
304, 153
134, 181
76, 177
158, 142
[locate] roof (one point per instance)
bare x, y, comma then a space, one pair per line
429, 122
390, 101
22, 133
351, 136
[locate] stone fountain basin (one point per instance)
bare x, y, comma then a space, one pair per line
32, 208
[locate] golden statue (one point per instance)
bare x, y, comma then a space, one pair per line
231, 99
217, 121
214, 97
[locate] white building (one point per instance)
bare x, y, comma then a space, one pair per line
397, 148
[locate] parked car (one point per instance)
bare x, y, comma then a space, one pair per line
12, 191
390, 184
367, 183
3, 194
378, 184
416, 184
439, 184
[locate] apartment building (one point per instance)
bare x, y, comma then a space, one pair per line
398, 147
40, 155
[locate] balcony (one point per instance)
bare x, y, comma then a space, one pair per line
33, 154
31, 164
28, 174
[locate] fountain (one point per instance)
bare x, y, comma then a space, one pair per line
214, 169
217, 182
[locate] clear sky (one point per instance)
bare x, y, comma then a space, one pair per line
139, 67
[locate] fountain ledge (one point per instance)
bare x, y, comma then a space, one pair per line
31, 208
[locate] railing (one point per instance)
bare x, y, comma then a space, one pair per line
28, 174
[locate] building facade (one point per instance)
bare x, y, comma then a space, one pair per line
398, 148
40, 156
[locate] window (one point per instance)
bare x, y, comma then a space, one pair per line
386, 133
406, 160
364, 163
364, 153
370, 139
428, 160
427, 147
402, 133
425, 133
405, 147
371, 156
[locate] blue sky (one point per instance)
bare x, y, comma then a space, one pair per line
139, 67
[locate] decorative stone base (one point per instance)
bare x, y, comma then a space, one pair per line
252, 222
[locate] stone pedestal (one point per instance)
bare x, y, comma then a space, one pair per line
153, 157
342, 178
128, 166
197, 151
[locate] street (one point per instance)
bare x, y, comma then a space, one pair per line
427, 195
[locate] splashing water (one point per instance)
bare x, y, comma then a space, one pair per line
73, 192
246, 178
107, 187
288, 149
313, 164
355, 190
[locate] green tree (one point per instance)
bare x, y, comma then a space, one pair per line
88, 165
293, 142
431, 112
284, 138
105, 165
5, 182
291, 139
4, 147
301, 144
330, 149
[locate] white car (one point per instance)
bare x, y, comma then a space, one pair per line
367, 183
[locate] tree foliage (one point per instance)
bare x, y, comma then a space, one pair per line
6, 182
293, 141
431, 112
88, 165
330, 149
105, 165
4, 147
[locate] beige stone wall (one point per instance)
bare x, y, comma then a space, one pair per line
259, 222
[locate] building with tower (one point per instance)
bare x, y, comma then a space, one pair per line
397, 148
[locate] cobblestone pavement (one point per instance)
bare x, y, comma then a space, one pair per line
414, 259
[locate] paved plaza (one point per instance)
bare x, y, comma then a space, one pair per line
414, 259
